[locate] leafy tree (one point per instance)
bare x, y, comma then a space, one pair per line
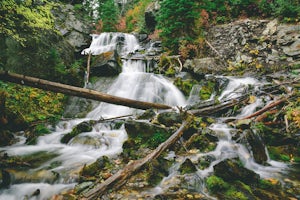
176, 20
108, 14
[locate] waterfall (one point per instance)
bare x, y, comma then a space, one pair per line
134, 82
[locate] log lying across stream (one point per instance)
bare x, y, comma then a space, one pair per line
77, 91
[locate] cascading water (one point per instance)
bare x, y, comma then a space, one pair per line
61, 172
226, 147
132, 83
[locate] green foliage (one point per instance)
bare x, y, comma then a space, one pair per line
286, 8
24, 17
177, 20
207, 90
134, 17
108, 14
33, 104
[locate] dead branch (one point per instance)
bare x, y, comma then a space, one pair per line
121, 176
266, 108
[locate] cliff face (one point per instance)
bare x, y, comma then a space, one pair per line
254, 43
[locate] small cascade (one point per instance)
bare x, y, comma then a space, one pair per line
124, 43
227, 147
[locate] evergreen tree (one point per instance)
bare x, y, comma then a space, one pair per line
176, 20
108, 14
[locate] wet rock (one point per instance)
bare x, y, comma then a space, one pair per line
93, 169
169, 118
80, 128
95, 141
144, 130
231, 170
33, 177
256, 146
148, 114
187, 167
6, 138
203, 142
205, 161
157, 170
5, 179
106, 64
243, 123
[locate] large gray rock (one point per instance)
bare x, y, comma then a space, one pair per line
74, 29
203, 65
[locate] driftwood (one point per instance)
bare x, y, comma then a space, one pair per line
121, 176
77, 91
266, 108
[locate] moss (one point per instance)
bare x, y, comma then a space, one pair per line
185, 86
279, 153
235, 195
216, 184
187, 167
207, 90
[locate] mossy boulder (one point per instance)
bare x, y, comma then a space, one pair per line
170, 118
94, 169
80, 128
146, 134
187, 167
106, 64
203, 142
232, 169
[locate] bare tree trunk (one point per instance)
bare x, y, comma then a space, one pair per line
76, 91
121, 176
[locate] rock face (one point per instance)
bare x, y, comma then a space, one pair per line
150, 14
72, 27
257, 43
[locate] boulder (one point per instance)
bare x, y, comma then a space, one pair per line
80, 128
106, 64
204, 66
231, 170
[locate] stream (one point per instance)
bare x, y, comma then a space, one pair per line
59, 171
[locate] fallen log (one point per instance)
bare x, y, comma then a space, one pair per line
121, 176
77, 91
211, 109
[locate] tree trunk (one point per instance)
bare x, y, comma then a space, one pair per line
76, 91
